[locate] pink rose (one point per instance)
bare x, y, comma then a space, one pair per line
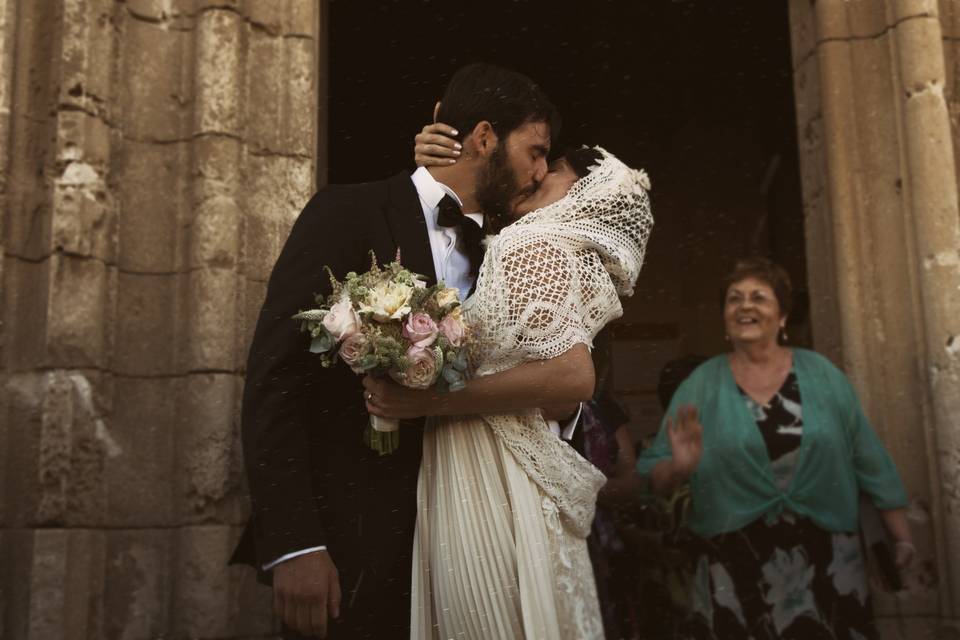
422, 371
453, 329
420, 330
342, 321
353, 349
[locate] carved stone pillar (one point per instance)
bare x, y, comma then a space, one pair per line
883, 253
153, 155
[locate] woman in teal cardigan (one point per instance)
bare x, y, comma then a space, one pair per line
777, 450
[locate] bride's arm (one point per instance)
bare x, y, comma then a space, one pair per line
564, 380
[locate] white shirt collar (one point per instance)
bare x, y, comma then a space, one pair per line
431, 192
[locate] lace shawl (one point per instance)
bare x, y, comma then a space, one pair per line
549, 281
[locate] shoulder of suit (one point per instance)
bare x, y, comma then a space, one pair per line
359, 196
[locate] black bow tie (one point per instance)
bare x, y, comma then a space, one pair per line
451, 215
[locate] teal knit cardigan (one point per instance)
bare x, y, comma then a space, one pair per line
840, 455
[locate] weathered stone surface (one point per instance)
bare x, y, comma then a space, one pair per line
206, 598
255, 292
217, 167
269, 17
146, 328
209, 464
54, 581
803, 33
215, 234
83, 211
150, 194
140, 478
287, 84
87, 53
300, 19
865, 21
218, 82
25, 289
263, 237
73, 445
278, 187
210, 320
127, 261
156, 91
906, 9
78, 320
140, 577
920, 53
20, 494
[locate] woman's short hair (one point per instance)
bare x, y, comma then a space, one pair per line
765, 270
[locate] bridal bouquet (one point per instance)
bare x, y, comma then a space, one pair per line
387, 321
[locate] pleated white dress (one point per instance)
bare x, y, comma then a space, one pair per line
504, 505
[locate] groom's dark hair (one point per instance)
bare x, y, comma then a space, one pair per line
504, 98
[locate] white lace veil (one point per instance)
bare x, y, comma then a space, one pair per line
607, 211
553, 278
550, 281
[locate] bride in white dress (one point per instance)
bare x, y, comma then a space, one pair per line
505, 506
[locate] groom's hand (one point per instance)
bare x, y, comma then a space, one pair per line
306, 589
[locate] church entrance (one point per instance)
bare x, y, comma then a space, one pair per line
698, 94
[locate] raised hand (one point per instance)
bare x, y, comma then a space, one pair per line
686, 440
435, 146
306, 592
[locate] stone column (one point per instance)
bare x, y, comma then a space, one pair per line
153, 156
883, 235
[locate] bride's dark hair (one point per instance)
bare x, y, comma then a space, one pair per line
582, 159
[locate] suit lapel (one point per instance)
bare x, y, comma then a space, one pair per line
408, 228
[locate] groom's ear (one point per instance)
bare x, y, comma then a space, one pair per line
484, 139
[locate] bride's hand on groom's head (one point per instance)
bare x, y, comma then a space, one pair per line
387, 399
436, 146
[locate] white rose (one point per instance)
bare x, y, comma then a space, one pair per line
388, 301
448, 296
342, 321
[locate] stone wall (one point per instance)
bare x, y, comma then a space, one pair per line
883, 242
153, 154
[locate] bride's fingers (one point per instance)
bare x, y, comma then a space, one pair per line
374, 409
439, 128
437, 143
433, 149
438, 137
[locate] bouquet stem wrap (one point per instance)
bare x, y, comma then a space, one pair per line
382, 435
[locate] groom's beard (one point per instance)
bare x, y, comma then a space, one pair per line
498, 188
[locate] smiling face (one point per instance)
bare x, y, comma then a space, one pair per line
752, 313
553, 187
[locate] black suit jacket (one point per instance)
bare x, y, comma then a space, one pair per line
312, 479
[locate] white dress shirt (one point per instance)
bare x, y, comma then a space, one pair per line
453, 269
450, 261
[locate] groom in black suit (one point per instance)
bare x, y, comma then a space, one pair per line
332, 522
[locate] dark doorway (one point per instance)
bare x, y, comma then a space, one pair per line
697, 93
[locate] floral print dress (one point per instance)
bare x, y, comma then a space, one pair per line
785, 578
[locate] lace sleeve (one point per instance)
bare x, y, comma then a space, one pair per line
556, 297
